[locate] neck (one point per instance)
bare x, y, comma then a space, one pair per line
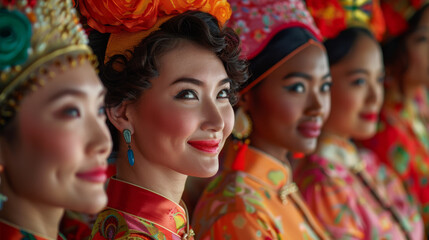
278, 152
150, 175
35, 217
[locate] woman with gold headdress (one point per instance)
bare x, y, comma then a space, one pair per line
281, 110
53, 138
170, 85
352, 194
402, 140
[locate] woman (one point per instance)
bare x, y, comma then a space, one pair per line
170, 97
53, 139
353, 195
402, 140
280, 110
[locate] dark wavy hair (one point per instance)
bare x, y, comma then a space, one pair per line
338, 47
141, 65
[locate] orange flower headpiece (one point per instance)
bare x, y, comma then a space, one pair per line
134, 20
334, 16
398, 12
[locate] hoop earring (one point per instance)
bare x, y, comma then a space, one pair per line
242, 126
130, 153
3, 197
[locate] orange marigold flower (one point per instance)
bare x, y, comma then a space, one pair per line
119, 15
180, 6
220, 9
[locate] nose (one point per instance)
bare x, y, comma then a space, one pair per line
315, 104
374, 93
213, 120
99, 139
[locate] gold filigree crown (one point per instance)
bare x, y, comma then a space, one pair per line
33, 35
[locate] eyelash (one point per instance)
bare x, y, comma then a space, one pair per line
184, 94
359, 82
295, 88
70, 112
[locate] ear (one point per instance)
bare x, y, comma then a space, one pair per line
119, 116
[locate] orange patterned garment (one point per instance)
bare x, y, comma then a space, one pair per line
354, 196
246, 204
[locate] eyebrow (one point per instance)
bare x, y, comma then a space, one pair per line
305, 76
198, 82
355, 71
73, 92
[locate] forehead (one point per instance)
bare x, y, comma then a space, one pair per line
191, 60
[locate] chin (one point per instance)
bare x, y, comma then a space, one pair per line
206, 171
365, 134
306, 146
91, 205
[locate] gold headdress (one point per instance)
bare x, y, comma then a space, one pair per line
33, 35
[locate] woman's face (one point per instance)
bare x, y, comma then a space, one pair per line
181, 122
62, 142
288, 108
417, 45
357, 91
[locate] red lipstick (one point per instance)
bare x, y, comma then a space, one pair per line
371, 117
310, 129
209, 146
96, 175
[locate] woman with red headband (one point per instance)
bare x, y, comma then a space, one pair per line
281, 110
170, 89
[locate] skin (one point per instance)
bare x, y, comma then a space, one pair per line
187, 102
60, 134
357, 90
294, 94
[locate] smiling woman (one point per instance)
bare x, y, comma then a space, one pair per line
53, 138
173, 92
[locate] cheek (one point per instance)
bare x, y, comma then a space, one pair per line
50, 141
170, 119
228, 118
282, 109
345, 104
418, 58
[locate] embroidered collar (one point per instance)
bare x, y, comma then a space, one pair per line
341, 151
149, 205
263, 167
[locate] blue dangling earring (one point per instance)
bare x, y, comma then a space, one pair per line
127, 136
3, 197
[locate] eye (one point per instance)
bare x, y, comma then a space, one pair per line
421, 39
326, 87
187, 94
359, 82
224, 93
297, 87
381, 80
101, 111
70, 112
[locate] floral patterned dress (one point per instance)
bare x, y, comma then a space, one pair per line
354, 196
402, 143
258, 202
9, 231
134, 212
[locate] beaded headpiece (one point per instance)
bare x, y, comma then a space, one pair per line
397, 13
334, 16
131, 21
33, 35
271, 32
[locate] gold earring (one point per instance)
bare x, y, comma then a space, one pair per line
242, 126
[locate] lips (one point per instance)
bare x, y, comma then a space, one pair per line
208, 146
96, 175
371, 117
310, 129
